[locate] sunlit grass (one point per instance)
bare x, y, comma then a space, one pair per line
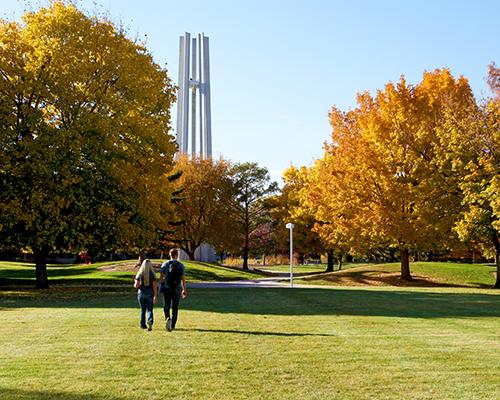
322, 343
106, 273
425, 274
305, 268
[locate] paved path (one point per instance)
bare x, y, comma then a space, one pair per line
264, 282
274, 282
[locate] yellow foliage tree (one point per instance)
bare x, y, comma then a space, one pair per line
85, 120
386, 175
288, 207
474, 144
203, 214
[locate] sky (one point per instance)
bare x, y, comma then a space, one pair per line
277, 67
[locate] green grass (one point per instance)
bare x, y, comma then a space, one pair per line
425, 274
24, 273
319, 343
307, 268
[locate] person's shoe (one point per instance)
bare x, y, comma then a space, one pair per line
150, 326
143, 327
169, 325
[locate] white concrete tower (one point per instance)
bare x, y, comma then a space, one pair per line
194, 75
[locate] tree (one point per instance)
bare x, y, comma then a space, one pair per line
84, 131
386, 177
203, 214
286, 207
252, 184
317, 197
474, 144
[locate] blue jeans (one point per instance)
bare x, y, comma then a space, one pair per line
171, 297
146, 303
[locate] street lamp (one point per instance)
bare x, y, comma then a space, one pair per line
290, 226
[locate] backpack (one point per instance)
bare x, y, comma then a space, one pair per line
174, 275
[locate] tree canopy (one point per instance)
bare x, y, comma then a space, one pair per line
202, 214
252, 185
84, 131
386, 176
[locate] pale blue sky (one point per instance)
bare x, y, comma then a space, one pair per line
278, 66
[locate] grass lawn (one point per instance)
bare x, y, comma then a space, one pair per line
115, 272
424, 273
255, 343
306, 268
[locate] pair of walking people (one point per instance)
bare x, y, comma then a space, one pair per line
172, 285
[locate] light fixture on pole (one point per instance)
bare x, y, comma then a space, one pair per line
290, 226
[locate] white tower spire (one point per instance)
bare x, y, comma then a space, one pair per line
196, 78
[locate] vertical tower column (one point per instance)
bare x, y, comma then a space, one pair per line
207, 116
185, 93
193, 99
180, 102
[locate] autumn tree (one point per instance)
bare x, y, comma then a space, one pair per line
84, 132
252, 184
203, 214
386, 174
474, 145
286, 207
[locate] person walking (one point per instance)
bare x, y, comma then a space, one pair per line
173, 282
145, 282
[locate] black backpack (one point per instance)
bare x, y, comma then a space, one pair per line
174, 275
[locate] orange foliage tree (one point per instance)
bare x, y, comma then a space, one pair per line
386, 176
203, 214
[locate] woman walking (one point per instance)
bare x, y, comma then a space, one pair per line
145, 282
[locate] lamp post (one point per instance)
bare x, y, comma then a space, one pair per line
290, 226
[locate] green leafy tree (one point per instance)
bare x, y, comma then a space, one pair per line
252, 184
84, 132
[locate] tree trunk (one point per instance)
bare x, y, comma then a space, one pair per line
245, 257
496, 242
339, 261
263, 259
329, 261
247, 235
42, 281
405, 265
190, 254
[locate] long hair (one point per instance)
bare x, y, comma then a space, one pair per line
146, 268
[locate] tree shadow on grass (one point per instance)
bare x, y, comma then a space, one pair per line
29, 273
24, 394
256, 333
392, 303
374, 277
405, 303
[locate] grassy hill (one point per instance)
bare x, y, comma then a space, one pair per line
425, 274
111, 273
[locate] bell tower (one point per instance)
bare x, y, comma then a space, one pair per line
194, 88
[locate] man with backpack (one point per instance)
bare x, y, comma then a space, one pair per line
173, 281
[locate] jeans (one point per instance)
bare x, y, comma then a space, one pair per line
146, 303
171, 297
